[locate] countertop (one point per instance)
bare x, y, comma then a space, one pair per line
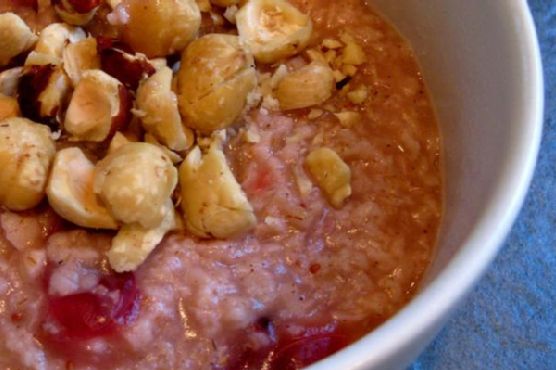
509, 320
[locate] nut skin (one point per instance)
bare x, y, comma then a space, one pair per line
273, 29
160, 27
213, 202
310, 85
214, 80
160, 116
15, 37
70, 191
135, 182
331, 174
26, 152
133, 243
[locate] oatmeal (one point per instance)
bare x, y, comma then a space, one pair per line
208, 185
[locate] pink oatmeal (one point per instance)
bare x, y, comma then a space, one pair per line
308, 275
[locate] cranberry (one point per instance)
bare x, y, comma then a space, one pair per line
27, 4
88, 315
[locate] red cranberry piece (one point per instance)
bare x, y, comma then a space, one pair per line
27, 4
88, 315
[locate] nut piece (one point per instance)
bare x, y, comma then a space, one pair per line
15, 37
70, 191
331, 174
214, 80
76, 12
79, 57
26, 151
273, 29
97, 106
312, 84
133, 243
159, 27
42, 91
54, 38
224, 3
8, 107
158, 106
135, 182
212, 200
9, 79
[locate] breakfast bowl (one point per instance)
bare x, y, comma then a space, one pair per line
259, 184
482, 63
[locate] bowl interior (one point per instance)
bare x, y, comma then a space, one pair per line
481, 63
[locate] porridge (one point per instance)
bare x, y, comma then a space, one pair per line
207, 185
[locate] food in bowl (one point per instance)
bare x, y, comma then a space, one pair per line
202, 185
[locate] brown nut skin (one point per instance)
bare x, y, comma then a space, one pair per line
135, 181
159, 27
215, 77
26, 152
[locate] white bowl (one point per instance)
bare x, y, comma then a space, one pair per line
482, 64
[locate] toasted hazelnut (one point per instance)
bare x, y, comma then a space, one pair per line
331, 44
204, 6
331, 174
41, 59
348, 119
174, 157
213, 202
15, 37
76, 12
214, 80
358, 96
42, 91
8, 107
159, 27
352, 53
133, 243
310, 85
26, 151
70, 191
230, 14
96, 107
160, 115
9, 80
54, 38
118, 140
79, 57
273, 29
135, 182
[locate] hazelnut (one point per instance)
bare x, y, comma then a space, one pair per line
42, 92
273, 29
9, 80
159, 27
133, 243
135, 182
70, 191
8, 107
79, 57
26, 151
15, 37
54, 38
98, 107
331, 174
160, 116
214, 81
310, 85
213, 202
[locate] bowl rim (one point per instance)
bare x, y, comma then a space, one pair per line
378, 348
